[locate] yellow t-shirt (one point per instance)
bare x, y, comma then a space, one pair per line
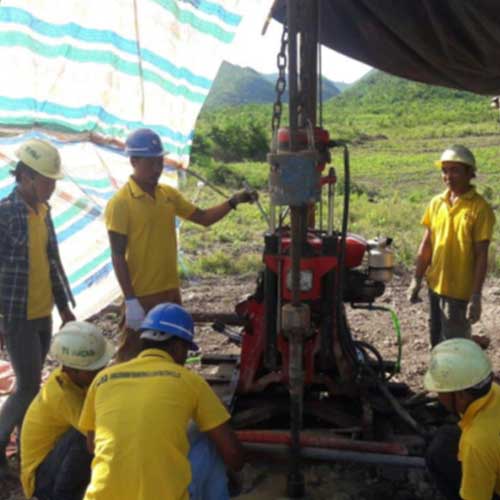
139, 411
54, 411
40, 298
479, 448
454, 230
149, 224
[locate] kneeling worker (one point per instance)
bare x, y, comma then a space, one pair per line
55, 462
464, 460
137, 415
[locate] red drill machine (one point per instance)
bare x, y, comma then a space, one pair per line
300, 367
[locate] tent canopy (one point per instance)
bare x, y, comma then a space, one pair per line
446, 42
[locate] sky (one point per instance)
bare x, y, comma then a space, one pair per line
250, 48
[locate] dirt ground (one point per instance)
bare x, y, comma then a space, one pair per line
340, 481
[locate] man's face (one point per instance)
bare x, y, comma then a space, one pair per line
447, 399
147, 170
456, 176
43, 187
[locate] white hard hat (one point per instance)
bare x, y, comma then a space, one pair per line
458, 154
82, 346
456, 364
42, 157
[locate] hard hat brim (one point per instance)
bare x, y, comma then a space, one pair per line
439, 164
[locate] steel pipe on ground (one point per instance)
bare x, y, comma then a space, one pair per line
329, 455
315, 441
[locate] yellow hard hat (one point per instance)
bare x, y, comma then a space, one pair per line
455, 365
42, 157
459, 154
82, 346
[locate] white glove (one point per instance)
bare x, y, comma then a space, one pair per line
134, 313
414, 290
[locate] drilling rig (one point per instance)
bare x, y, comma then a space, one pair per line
300, 367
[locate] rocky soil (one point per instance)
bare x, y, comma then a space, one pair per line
341, 481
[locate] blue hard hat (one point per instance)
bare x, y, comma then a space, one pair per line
144, 143
168, 320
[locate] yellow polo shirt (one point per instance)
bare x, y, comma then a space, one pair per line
40, 298
54, 411
454, 230
140, 411
149, 224
479, 447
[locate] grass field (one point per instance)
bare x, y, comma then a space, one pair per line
393, 149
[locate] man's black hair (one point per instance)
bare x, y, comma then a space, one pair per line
20, 169
481, 389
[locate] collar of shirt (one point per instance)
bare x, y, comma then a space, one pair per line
63, 380
156, 353
445, 195
136, 190
474, 408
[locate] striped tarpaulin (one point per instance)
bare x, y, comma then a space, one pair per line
83, 74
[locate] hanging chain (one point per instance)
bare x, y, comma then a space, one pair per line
281, 81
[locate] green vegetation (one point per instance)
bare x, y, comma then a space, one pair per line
397, 129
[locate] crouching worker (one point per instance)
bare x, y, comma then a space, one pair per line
464, 460
55, 462
137, 415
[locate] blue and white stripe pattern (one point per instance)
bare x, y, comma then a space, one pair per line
104, 67
111, 66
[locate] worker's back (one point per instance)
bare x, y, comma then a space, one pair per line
140, 411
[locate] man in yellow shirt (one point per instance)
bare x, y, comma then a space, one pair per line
137, 415
453, 254
464, 460
140, 219
55, 462
32, 278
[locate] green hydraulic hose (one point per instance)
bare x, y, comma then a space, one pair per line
397, 327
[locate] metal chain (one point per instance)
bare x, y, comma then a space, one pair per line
281, 81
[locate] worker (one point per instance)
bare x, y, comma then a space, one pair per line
140, 219
32, 278
137, 414
55, 461
453, 254
464, 459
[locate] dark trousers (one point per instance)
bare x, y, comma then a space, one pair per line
65, 472
448, 318
27, 344
442, 462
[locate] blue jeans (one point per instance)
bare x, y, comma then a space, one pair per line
65, 472
209, 479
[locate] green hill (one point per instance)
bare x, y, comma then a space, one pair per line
237, 86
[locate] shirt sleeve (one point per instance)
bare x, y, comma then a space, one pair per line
116, 215
70, 412
183, 207
426, 219
87, 417
483, 226
478, 475
209, 412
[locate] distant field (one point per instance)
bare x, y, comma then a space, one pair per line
397, 130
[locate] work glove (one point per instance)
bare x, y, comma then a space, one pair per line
414, 290
134, 313
246, 196
474, 308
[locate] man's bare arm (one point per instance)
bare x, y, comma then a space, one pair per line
118, 244
210, 216
90, 441
480, 266
228, 446
424, 255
